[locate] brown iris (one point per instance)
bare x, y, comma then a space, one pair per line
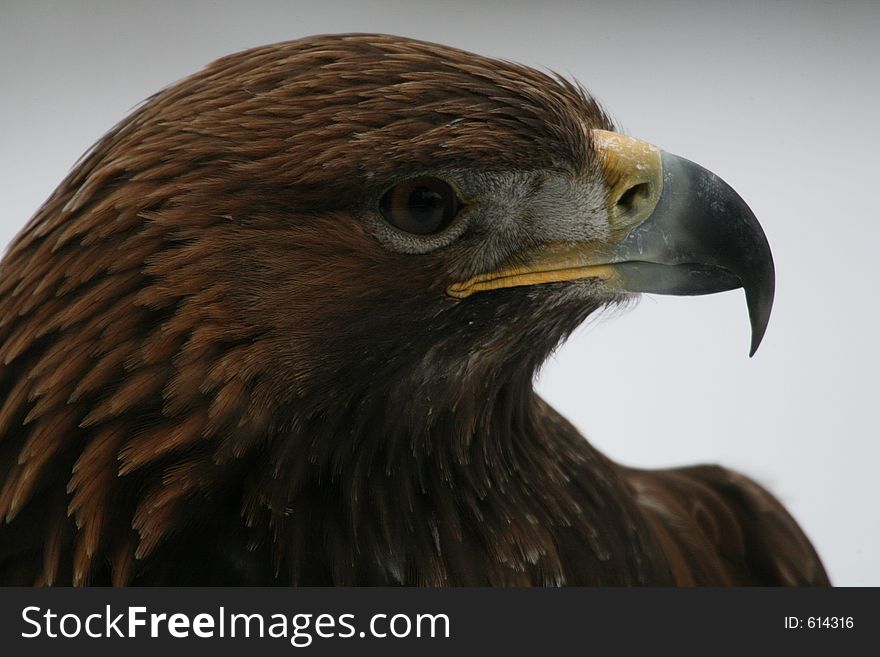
423, 206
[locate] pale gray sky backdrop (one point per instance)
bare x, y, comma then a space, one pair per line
779, 98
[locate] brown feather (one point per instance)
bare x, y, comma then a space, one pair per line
211, 372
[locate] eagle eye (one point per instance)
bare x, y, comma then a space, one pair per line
422, 206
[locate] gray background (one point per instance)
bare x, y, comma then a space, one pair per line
780, 99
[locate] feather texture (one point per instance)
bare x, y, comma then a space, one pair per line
211, 372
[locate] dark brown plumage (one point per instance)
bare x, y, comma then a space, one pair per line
216, 368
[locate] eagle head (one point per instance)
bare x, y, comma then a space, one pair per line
295, 303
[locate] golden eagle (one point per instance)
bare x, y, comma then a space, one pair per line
280, 326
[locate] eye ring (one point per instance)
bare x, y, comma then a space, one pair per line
425, 205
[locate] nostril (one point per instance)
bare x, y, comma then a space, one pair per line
633, 197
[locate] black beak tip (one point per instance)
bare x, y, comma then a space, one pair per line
757, 336
759, 299
759, 327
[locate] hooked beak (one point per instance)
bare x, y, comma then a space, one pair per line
677, 229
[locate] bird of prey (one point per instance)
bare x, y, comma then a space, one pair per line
281, 324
